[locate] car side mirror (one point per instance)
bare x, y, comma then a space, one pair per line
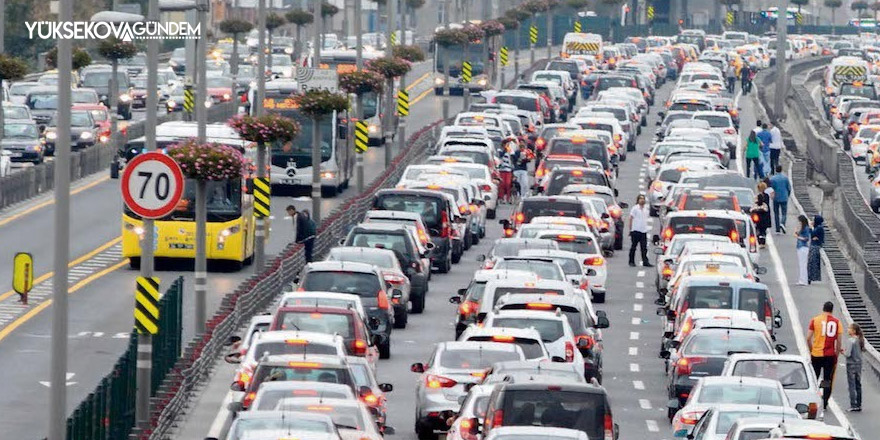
647, 154
616, 192
233, 358
417, 367
461, 292
505, 223
781, 348
375, 340
386, 387
760, 270
658, 123
660, 311
235, 407
374, 323
602, 320
557, 359
389, 430
777, 320
434, 232
623, 205
481, 258
802, 408
591, 272
673, 404
487, 197
674, 344
655, 240
341, 242
296, 280
237, 386
234, 339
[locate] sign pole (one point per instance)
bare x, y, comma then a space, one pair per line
260, 233
359, 102
359, 157
316, 128
391, 7
58, 375
201, 261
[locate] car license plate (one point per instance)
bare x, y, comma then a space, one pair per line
16, 155
288, 182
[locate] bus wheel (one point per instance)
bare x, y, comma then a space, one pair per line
134, 262
329, 191
438, 91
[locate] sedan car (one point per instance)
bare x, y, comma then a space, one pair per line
21, 142
714, 391
83, 131
716, 422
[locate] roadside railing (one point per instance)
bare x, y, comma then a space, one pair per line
32, 181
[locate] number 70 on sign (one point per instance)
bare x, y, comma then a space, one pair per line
152, 185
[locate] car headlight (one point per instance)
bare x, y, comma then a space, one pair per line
221, 237
439, 81
226, 96
125, 97
172, 63
253, 84
481, 82
328, 175
37, 148
51, 135
373, 128
208, 103
103, 97
86, 135
171, 103
139, 230
288, 50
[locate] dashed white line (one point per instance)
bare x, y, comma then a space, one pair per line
640, 273
640, 285
637, 307
652, 425
634, 351
639, 385
634, 368
645, 403
636, 321
633, 336
640, 295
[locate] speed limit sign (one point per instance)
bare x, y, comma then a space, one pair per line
152, 184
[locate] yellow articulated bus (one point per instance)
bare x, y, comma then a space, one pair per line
230, 207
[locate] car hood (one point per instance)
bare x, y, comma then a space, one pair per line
19, 143
219, 90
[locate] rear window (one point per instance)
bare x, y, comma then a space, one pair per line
477, 156
382, 260
549, 329
864, 91
428, 207
571, 68
689, 106
590, 149
363, 284
607, 82
531, 348
543, 269
722, 343
708, 201
727, 418
753, 300
792, 375
501, 291
551, 208
710, 297
268, 399
754, 434
315, 322
475, 359
560, 179
301, 372
521, 102
576, 244
560, 409
740, 394
395, 242
294, 346
670, 175
715, 121
702, 225
477, 120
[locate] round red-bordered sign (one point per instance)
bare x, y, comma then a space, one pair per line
152, 185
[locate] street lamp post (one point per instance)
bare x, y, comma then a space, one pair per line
359, 111
316, 127
260, 245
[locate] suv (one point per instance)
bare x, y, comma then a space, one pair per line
583, 407
300, 368
542, 206
364, 280
98, 78
437, 215
399, 239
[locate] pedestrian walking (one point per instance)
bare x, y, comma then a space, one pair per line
753, 156
775, 146
505, 173
521, 159
781, 191
306, 230
817, 240
761, 215
731, 78
823, 337
852, 352
765, 137
638, 231
803, 249
745, 78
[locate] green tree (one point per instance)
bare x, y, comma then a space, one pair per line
328, 10
81, 58
299, 18
235, 27
799, 4
859, 7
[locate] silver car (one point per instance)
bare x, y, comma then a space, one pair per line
793, 371
444, 380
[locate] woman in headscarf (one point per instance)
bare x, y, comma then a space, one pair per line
817, 240
803, 249
761, 214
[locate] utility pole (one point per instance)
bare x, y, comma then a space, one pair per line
466, 87
549, 35
58, 374
201, 262
391, 7
445, 58
260, 233
401, 119
781, 62
359, 101
316, 128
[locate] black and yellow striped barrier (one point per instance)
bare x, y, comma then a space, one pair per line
533, 34
402, 103
466, 72
503, 54
146, 309
361, 137
650, 13
189, 101
730, 18
577, 26
262, 197
394, 38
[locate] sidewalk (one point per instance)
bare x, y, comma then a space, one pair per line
804, 302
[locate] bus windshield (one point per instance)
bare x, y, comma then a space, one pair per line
223, 202
300, 149
455, 55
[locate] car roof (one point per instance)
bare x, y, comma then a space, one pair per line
384, 227
476, 345
349, 266
284, 359
807, 427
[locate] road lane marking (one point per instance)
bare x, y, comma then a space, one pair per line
639, 385
640, 273
417, 81
652, 425
633, 336
645, 403
636, 321
634, 368
87, 256
640, 285
51, 201
421, 96
43, 305
637, 307
640, 295
634, 351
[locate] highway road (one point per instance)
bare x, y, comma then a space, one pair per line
633, 374
102, 285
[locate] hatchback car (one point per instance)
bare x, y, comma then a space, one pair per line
793, 371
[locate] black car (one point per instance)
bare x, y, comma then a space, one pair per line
22, 140
178, 60
83, 131
98, 78
398, 239
437, 215
549, 403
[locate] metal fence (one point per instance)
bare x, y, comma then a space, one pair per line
108, 413
34, 180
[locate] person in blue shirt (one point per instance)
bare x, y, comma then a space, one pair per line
817, 240
766, 139
803, 249
781, 190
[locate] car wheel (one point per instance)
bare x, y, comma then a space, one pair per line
475, 239
425, 432
401, 317
456, 257
385, 349
418, 302
468, 240
490, 214
438, 91
670, 413
134, 262
329, 191
446, 265
599, 297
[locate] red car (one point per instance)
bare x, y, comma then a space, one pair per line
348, 323
220, 89
101, 116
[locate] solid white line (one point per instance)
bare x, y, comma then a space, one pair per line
640, 273
645, 403
633, 336
634, 368
223, 419
637, 307
640, 295
652, 425
636, 321
634, 351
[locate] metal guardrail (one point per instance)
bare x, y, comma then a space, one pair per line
29, 182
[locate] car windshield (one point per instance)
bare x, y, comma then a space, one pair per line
724, 342
791, 374
476, 359
293, 346
714, 121
102, 78
363, 284
543, 269
139, 82
307, 321
21, 131
83, 97
561, 409
428, 207
739, 394
20, 89
15, 112
551, 208
219, 82
43, 101
549, 329
382, 260
99, 115
702, 225
395, 242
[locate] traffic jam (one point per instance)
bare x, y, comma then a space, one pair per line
529, 196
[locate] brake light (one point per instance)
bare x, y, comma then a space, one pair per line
467, 308
503, 338
667, 234
371, 399
615, 211
755, 218
394, 279
857, 141
434, 381
590, 342
818, 436
540, 143
768, 314
667, 271
594, 261
730, 131
304, 364
296, 341
463, 209
569, 351
609, 427
691, 417
359, 347
657, 185
734, 236
486, 187
685, 365
519, 217
469, 429
383, 300
753, 244
539, 306
444, 224
618, 137
248, 399
577, 173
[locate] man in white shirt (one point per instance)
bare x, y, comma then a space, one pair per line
775, 145
638, 231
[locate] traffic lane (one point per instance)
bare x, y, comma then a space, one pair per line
33, 232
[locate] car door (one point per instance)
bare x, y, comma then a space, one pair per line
701, 429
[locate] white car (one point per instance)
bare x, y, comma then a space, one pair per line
589, 252
527, 339
5, 163
721, 123
794, 372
